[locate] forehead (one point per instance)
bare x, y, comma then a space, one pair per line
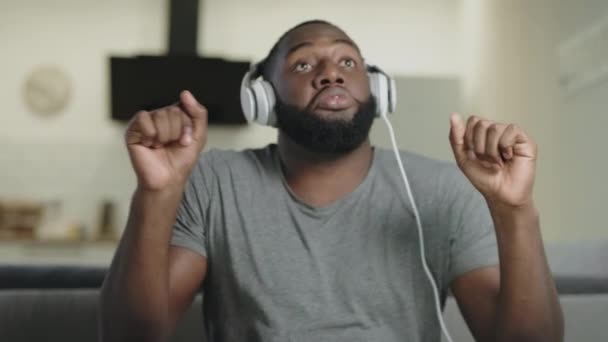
313, 34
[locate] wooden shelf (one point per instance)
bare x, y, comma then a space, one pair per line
96, 253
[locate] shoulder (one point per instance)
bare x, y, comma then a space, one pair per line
421, 169
216, 158
436, 184
219, 165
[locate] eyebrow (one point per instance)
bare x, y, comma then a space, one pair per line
306, 44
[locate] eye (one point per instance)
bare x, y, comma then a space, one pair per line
348, 62
302, 67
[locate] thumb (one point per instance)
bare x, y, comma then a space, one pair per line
196, 111
457, 131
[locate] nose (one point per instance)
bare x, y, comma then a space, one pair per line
328, 74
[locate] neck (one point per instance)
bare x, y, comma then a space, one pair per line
319, 179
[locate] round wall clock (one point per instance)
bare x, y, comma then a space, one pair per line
47, 90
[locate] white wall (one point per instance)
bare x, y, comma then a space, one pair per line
78, 157
404, 37
582, 129
77, 36
510, 75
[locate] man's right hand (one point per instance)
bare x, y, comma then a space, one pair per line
165, 143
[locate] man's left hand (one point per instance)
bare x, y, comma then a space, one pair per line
498, 159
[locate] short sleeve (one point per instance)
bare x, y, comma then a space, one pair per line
473, 238
190, 226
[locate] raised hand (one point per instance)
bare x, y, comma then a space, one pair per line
165, 143
498, 159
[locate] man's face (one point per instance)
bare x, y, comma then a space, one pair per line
322, 86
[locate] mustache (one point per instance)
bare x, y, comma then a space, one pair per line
323, 135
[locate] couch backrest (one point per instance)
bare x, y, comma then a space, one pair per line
69, 315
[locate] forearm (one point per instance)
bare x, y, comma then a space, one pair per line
528, 308
134, 296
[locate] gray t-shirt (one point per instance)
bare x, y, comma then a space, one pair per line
280, 270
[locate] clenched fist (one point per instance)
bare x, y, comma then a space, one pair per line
499, 159
165, 143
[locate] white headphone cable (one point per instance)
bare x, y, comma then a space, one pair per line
427, 271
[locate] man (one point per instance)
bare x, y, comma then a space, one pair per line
312, 239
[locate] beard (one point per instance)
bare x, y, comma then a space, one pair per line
327, 136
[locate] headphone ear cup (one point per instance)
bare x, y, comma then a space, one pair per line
258, 100
380, 90
392, 95
248, 104
373, 87
271, 117
383, 89
262, 101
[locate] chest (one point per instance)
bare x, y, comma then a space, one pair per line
363, 257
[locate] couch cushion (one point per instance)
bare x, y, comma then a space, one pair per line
48, 315
69, 315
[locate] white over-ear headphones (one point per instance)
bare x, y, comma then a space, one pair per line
258, 98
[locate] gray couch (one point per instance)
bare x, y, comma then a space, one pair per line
60, 303
580, 270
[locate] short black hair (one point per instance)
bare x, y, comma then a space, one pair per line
265, 66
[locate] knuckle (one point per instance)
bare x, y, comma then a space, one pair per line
472, 121
481, 124
159, 112
175, 109
175, 117
153, 115
138, 117
140, 114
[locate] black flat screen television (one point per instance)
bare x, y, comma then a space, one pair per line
149, 82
